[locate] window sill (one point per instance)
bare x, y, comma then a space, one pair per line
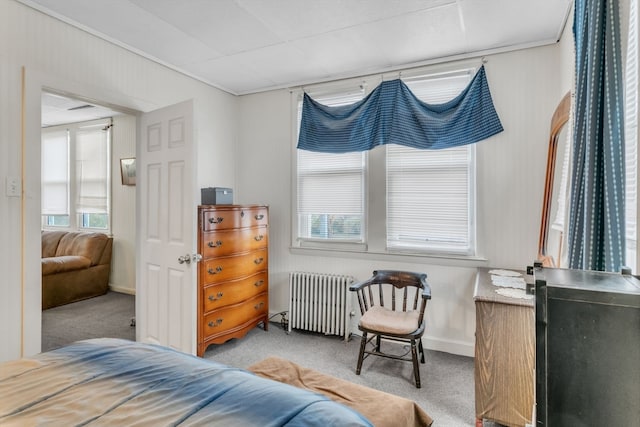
435, 259
76, 230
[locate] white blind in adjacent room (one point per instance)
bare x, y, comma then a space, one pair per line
92, 168
55, 172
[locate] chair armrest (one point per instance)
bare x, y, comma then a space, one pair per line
426, 290
357, 286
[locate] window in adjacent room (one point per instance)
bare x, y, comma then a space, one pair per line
75, 175
392, 199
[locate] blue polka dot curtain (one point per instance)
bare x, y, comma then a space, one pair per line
596, 239
391, 114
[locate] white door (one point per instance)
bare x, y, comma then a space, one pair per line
166, 272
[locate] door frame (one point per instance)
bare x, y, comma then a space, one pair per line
27, 338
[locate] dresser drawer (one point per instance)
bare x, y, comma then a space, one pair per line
223, 218
232, 267
234, 316
227, 242
233, 292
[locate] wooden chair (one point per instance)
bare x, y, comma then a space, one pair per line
392, 304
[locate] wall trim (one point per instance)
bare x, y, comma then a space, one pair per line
460, 348
121, 289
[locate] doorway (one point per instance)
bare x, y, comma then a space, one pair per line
117, 308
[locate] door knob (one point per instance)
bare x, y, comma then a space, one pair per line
188, 258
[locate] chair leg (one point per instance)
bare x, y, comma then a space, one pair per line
363, 344
421, 350
378, 343
416, 366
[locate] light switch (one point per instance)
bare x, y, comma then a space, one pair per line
13, 187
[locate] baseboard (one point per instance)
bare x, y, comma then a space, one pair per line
460, 348
449, 346
121, 289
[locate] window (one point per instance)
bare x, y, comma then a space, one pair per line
420, 201
430, 192
331, 187
330, 196
428, 199
76, 175
55, 177
631, 139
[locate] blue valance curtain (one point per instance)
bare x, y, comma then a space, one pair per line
391, 113
596, 239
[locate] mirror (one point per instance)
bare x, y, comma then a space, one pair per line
550, 244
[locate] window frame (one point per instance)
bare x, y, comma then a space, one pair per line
434, 249
375, 204
76, 219
350, 89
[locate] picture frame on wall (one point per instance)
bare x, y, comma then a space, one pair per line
128, 171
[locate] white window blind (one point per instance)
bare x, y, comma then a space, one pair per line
330, 187
430, 192
55, 172
631, 138
76, 177
92, 168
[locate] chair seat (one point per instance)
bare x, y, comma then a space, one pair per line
383, 320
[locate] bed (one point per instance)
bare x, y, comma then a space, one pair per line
118, 382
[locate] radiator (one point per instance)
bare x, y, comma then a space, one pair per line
320, 303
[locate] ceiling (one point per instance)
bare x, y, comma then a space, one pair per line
58, 109
248, 46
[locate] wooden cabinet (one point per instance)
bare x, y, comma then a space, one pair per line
233, 276
504, 355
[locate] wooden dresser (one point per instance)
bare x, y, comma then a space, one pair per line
504, 355
233, 276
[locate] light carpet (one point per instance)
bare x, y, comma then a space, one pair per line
447, 392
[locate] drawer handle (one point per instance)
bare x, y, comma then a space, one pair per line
214, 245
216, 271
259, 306
258, 238
258, 283
217, 220
258, 217
213, 324
213, 298
258, 261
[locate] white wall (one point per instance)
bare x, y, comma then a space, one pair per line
246, 144
10, 211
60, 57
526, 86
123, 208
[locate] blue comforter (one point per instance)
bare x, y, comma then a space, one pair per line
122, 383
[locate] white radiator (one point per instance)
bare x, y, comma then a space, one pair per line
320, 303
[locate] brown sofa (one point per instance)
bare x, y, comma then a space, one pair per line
75, 266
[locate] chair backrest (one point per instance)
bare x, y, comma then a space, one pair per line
394, 290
